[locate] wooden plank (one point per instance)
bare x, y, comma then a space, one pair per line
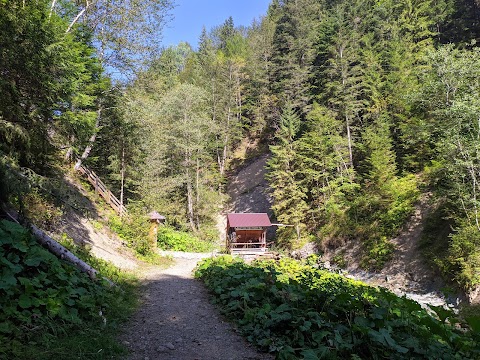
102, 189
247, 243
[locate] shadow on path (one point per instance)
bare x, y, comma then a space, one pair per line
176, 322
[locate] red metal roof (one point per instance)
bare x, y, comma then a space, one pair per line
248, 220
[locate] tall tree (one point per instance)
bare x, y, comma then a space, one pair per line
289, 197
325, 174
50, 83
128, 34
293, 51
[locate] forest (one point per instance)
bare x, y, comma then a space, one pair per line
364, 107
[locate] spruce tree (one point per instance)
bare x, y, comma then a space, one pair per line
289, 197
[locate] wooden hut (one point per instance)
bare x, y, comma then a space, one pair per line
247, 233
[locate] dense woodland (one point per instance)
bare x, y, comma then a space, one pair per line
365, 106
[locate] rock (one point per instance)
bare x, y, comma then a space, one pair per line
170, 346
179, 340
474, 296
162, 349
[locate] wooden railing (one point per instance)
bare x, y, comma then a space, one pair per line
102, 189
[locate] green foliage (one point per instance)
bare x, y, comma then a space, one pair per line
49, 306
464, 256
50, 84
379, 215
300, 312
134, 231
171, 239
290, 206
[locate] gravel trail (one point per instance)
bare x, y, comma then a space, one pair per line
177, 322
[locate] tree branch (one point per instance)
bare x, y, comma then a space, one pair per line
51, 8
74, 21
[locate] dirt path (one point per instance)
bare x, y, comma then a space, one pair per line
177, 322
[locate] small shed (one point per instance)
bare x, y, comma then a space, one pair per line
247, 232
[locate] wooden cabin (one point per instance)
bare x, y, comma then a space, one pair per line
247, 233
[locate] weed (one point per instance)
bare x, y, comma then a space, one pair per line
50, 308
171, 239
298, 311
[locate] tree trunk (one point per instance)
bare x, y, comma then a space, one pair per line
89, 147
122, 178
52, 6
349, 136
62, 252
58, 249
190, 203
190, 213
198, 192
74, 21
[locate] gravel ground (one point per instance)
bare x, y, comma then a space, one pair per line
177, 322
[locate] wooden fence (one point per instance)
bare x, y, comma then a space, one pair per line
102, 189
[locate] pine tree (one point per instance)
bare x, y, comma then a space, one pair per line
293, 51
289, 198
324, 171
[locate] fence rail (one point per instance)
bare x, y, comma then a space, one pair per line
102, 189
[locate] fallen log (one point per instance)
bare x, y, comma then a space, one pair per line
62, 252
58, 249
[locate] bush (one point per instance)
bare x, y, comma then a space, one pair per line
171, 239
134, 231
300, 312
378, 214
46, 302
464, 256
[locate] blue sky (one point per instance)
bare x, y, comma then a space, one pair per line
191, 15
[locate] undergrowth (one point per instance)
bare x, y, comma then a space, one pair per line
50, 310
298, 311
171, 239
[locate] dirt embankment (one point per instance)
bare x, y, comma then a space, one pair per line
248, 190
82, 221
408, 272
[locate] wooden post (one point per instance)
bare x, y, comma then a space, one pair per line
152, 235
155, 220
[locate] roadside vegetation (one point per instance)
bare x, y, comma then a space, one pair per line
50, 309
298, 311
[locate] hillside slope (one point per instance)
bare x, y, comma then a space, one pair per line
407, 273
84, 224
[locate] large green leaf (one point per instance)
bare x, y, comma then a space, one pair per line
474, 322
7, 279
24, 301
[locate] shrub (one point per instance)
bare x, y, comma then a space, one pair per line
464, 256
171, 239
300, 312
134, 231
47, 302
